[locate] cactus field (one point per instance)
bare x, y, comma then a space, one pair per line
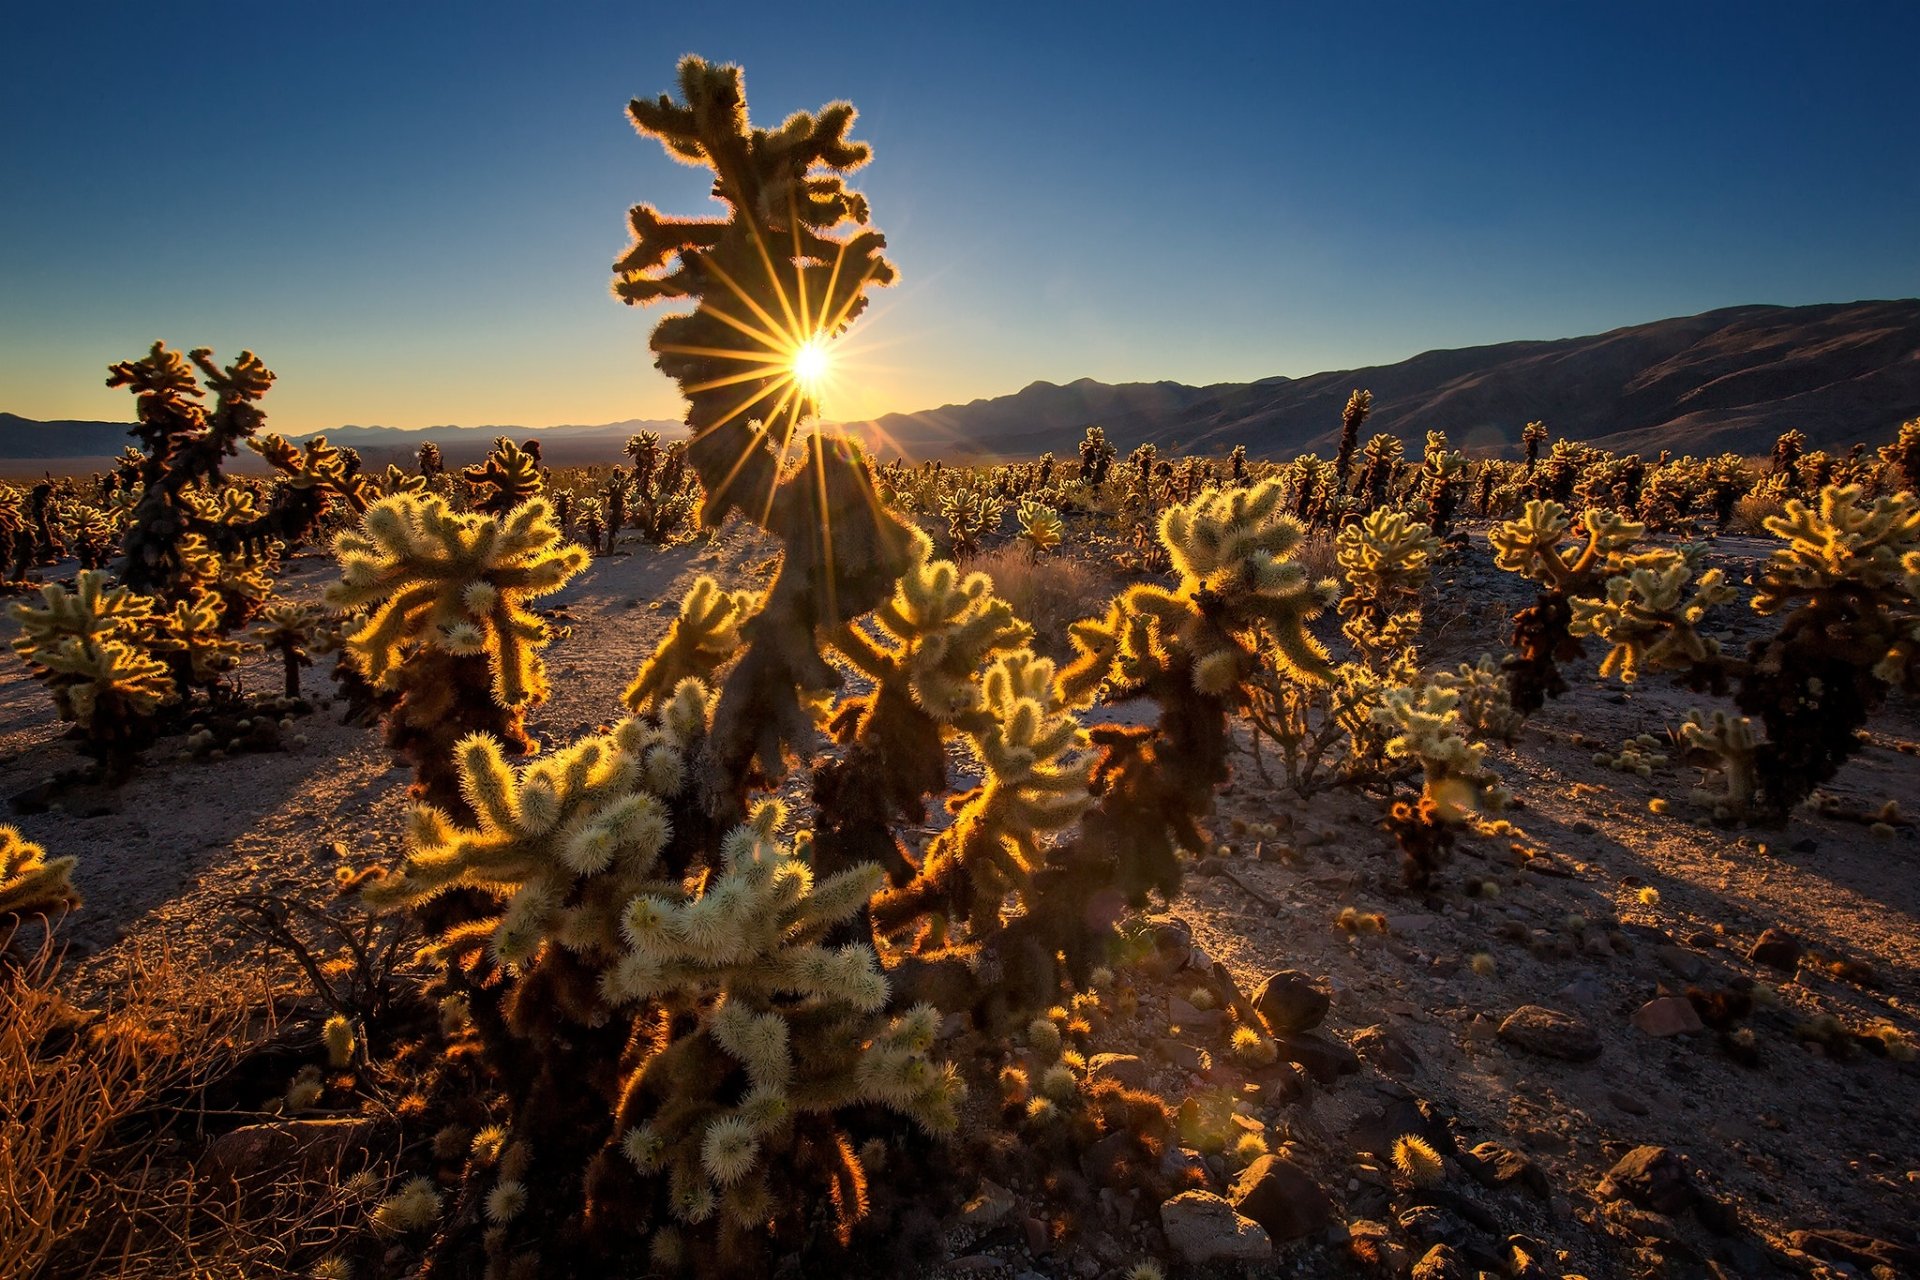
761, 855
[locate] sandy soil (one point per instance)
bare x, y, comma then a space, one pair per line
1797, 1140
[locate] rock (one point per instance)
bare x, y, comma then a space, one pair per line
1493, 1165
1777, 949
1680, 961
1551, 1034
1188, 1018
1289, 1002
1376, 1134
1172, 945
1527, 1258
1201, 1227
1109, 1161
1325, 1060
1184, 1165
1668, 1016
1038, 1241
989, 1205
1282, 1197
1628, 1103
1583, 990
1862, 1251
1385, 1050
285, 1145
1441, 1263
1129, 1069
1184, 1056
1651, 1177
1429, 1226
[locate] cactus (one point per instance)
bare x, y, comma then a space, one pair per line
30, 883
1386, 559
1359, 407
509, 478
771, 283
1456, 784
289, 630
971, 514
1041, 529
91, 647
1651, 614
1531, 546
186, 444
447, 624
1902, 457
1096, 456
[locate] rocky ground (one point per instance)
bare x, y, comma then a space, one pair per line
1537, 1018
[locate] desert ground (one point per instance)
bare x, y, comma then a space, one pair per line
1798, 1150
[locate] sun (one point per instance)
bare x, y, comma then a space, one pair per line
810, 365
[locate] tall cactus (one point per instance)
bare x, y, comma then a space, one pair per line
772, 281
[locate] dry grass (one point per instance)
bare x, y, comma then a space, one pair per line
96, 1107
1050, 593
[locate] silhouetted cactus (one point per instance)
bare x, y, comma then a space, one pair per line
1359, 406
186, 444
509, 477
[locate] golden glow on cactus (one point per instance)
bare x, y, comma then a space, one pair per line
431, 578
30, 883
88, 645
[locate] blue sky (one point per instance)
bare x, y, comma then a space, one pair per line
409, 210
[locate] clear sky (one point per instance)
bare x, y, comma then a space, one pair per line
409, 209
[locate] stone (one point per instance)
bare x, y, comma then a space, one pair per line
1668, 1016
1551, 1034
1386, 1050
287, 1145
1493, 1165
1282, 1197
1651, 1177
1441, 1263
1289, 1002
1527, 1258
1628, 1103
1863, 1251
1202, 1227
989, 1205
1184, 1056
1777, 949
1680, 961
1323, 1059
1429, 1225
1376, 1134
1182, 1164
1172, 946
1129, 1069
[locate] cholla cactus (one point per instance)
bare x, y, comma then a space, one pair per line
1386, 559
702, 639
1359, 406
1096, 456
196, 647
1443, 471
446, 620
1652, 613
971, 514
292, 631
186, 446
1456, 783
1902, 457
1542, 634
774, 257
1533, 435
1383, 454
1041, 529
1486, 704
1730, 743
90, 646
30, 883
789, 1034
509, 478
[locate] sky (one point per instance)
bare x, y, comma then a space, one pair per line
410, 210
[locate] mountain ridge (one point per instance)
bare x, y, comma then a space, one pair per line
1728, 379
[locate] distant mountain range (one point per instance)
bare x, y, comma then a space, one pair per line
27, 445
1727, 380
1732, 379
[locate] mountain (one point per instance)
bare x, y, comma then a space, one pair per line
1727, 380
28, 446
1732, 379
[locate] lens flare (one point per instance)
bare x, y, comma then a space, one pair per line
810, 366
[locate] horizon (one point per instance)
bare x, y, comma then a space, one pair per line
404, 252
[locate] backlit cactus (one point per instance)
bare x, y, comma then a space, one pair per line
1041, 529
1386, 560
1651, 614
92, 646
509, 477
31, 883
446, 621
